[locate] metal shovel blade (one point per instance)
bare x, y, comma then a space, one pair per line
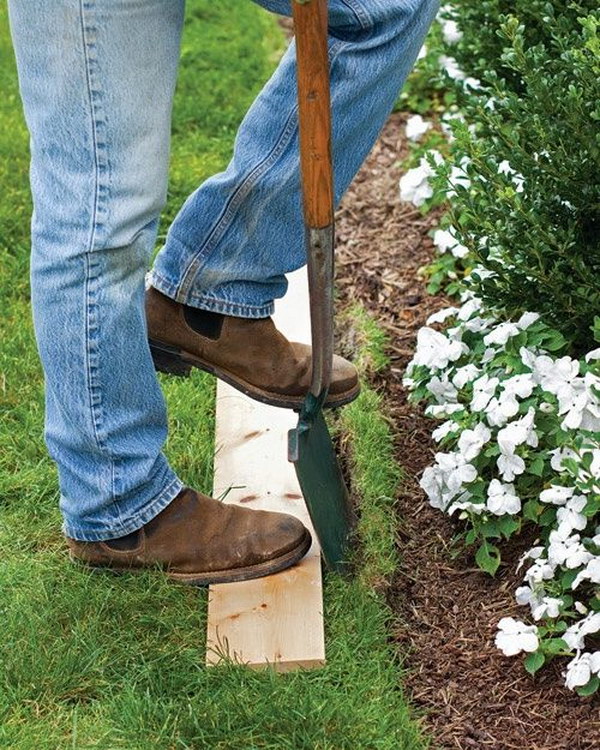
312, 452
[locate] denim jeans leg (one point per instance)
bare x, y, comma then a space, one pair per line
97, 79
239, 233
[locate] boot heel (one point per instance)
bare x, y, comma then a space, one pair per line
167, 360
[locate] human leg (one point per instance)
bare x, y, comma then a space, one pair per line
97, 80
235, 238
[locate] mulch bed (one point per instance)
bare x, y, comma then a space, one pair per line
469, 694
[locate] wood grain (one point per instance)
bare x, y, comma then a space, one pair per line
310, 25
277, 620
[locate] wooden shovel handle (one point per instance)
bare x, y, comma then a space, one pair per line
310, 22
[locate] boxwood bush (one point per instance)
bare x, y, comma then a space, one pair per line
532, 212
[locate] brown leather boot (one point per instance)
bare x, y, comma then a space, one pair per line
251, 355
198, 540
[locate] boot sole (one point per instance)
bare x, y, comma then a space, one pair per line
268, 567
174, 361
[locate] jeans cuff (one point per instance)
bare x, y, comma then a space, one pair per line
208, 302
141, 517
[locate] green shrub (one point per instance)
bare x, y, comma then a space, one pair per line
483, 44
539, 115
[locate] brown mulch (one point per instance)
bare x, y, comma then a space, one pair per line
468, 693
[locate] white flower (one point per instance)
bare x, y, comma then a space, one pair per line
463, 503
477, 324
442, 315
541, 570
548, 607
514, 636
445, 240
444, 481
483, 390
414, 185
465, 375
528, 357
443, 410
533, 554
477, 508
442, 389
450, 31
502, 499
558, 454
510, 466
469, 308
452, 68
591, 572
488, 355
567, 550
541, 606
500, 334
575, 634
501, 409
471, 83
456, 470
505, 168
422, 52
435, 351
518, 432
444, 429
593, 355
556, 495
432, 483
471, 442
572, 402
570, 516
416, 127
519, 385
578, 671
524, 595
458, 177
527, 319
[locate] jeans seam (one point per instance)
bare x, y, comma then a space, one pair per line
238, 196
214, 304
88, 31
242, 191
363, 18
141, 518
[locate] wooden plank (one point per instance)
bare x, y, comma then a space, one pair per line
277, 620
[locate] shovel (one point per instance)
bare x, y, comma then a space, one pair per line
310, 446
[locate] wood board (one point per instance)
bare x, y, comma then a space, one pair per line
276, 620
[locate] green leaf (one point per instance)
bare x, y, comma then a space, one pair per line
488, 558
548, 517
534, 661
590, 688
490, 529
537, 466
470, 537
507, 525
555, 646
567, 579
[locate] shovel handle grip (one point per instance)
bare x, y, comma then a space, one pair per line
310, 23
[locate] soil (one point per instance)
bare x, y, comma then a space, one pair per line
467, 693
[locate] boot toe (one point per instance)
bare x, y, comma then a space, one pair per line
280, 534
344, 376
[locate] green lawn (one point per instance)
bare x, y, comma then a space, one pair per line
89, 661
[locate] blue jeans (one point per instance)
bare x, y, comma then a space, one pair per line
97, 80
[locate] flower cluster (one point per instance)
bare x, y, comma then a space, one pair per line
520, 444
519, 419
